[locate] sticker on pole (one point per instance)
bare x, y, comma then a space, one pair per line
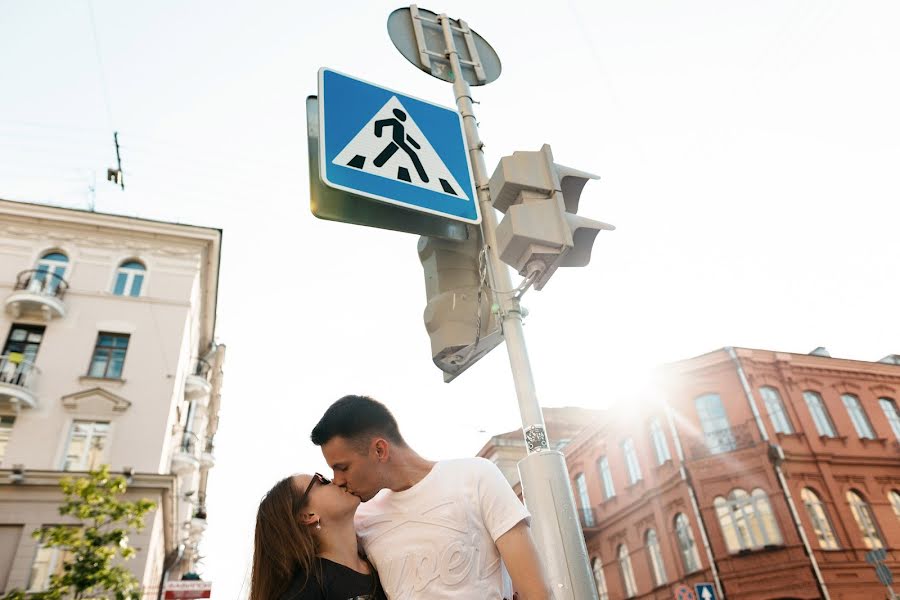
393, 148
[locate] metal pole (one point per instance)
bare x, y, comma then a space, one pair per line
545, 480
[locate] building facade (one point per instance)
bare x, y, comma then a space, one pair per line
766, 474
108, 357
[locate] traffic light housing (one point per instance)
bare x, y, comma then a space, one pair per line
540, 230
458, 315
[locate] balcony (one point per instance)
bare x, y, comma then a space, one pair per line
197, 385
17, 381
723, 441
185, 460
207, 457
37, 293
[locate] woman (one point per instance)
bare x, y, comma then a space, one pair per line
306, 548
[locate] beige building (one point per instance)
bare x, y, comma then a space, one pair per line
108, 357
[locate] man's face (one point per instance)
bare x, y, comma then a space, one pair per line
355, 466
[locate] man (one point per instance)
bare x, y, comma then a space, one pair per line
433, 530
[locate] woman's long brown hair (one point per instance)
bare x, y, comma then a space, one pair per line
281, 545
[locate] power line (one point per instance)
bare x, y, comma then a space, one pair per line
103, 85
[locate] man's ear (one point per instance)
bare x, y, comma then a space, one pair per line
381, 448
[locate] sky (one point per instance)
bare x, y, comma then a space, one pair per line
748, 157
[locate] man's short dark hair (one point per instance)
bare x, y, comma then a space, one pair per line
355, 417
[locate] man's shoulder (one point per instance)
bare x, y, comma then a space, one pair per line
469, 464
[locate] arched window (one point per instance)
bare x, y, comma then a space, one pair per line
775, 408
659, 442
858, 416
747, 520
628, 582
865, 520
632, 464
820, 521
129, 278
609, 489
686, 544
50, 271
714, 422
656, 559
599, 579
819, 414
584, 500
894, 497
892, 414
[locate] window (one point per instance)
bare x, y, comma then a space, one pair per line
775, 408
894, 497
819, 413
628, 583
747, 521
109, 355
599, 579
656, 559
609, 490
19, 353
86, 449
820, 521
24, 340
893, 415
129, 279
47, 562
686, 544
714, 421
865, 520
659, 442
631, 461
6, 425
584, 500
858, 416
49, 272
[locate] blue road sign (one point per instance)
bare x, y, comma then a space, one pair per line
705, 591
394, 148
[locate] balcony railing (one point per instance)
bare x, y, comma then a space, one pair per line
38, 291
723, 441
186, 458
17, 379
197, 385
41, 282
587, 517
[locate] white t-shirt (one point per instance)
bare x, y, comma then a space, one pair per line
437, 539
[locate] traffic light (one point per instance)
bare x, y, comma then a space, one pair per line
458, 316
541, 230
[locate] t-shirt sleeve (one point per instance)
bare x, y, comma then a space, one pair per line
501, 509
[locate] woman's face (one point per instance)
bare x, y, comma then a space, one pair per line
330, 502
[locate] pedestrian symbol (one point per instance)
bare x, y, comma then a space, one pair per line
391, 145
394, 148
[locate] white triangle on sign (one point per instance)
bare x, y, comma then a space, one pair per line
392, 146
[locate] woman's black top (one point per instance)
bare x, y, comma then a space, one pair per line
338, 583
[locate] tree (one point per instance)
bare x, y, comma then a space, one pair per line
93, 548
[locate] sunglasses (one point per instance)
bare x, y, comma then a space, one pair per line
317, 477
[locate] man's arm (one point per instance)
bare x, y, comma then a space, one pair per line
520, 556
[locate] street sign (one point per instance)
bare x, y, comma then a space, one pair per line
338, 205
419, 37
393, 148
683, 592
705, 591
188, 590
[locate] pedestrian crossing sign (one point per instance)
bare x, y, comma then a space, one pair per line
393, 148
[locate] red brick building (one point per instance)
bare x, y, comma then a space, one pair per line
768, 474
